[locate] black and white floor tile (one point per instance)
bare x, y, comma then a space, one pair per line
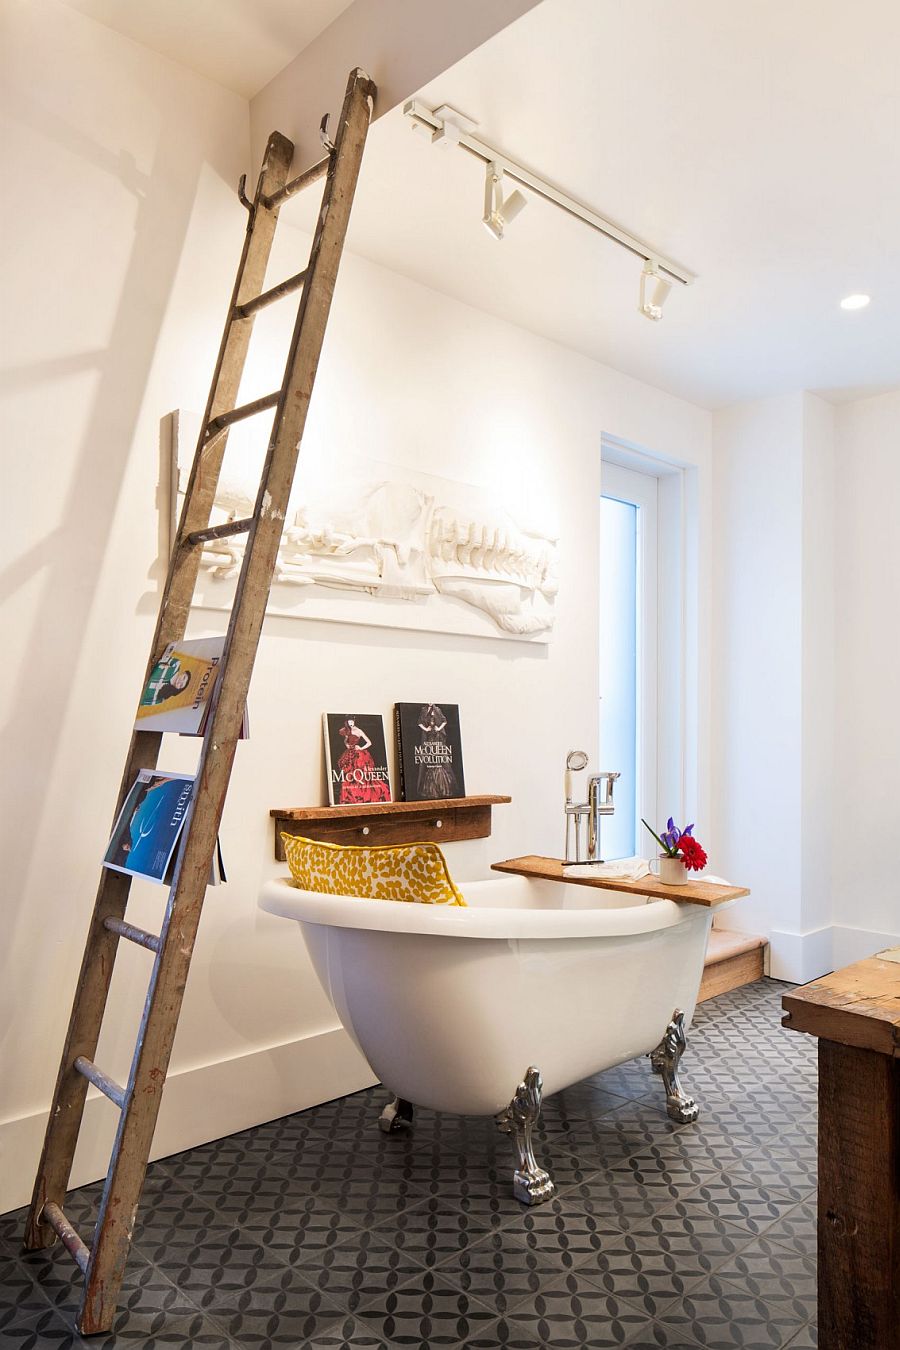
318, 1230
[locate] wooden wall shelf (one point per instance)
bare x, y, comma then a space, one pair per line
443, 822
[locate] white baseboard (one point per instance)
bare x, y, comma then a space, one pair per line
199, 1104
801, 957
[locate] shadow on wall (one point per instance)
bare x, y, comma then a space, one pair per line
62, 567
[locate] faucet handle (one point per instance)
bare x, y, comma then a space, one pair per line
604, 804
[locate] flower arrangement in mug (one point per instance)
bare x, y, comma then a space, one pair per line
680, 844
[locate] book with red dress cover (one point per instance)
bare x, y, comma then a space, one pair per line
356, 764
429, 751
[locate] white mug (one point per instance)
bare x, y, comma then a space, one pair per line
671, 871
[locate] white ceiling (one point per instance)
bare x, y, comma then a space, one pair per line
242, 44
758, 144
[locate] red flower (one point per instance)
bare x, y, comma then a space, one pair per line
693, 855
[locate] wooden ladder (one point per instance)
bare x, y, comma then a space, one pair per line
103, 1262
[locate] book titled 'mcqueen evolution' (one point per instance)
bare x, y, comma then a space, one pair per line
356, 763
429, 751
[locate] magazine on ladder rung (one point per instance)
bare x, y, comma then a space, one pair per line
176, 697
146, 834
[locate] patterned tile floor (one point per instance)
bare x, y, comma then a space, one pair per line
317, 1230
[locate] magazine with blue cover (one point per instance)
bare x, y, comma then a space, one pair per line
149, 825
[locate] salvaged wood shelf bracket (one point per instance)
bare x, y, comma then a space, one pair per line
441, 822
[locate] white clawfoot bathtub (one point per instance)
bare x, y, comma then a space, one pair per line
452, 1005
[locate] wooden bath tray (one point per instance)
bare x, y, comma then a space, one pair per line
444, 822
694, 893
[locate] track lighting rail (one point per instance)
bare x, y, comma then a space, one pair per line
444, 129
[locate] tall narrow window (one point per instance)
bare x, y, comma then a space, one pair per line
628, 653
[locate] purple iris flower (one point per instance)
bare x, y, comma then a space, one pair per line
671, 836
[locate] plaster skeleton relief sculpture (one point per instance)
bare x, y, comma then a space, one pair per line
434, 554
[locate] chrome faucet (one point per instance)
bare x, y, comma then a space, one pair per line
599, 803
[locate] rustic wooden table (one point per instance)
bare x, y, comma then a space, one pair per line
855, 1013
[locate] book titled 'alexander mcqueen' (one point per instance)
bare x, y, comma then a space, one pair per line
429, 751
356, 763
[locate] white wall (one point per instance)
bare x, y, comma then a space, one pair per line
414, 378
772, 671
866, 783
121, 233
756, 657
806, 583
128, 164
820, 712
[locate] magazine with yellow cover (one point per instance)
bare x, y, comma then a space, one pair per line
176, 696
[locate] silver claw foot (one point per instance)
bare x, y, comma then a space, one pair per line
396, 1116
665, 1060
531, 1184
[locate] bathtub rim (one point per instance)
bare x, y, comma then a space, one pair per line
282, 897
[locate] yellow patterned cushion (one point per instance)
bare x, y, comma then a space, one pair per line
388, 872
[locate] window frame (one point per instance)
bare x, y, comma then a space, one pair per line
674, 720
640, 490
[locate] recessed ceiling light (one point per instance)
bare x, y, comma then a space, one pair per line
855, 301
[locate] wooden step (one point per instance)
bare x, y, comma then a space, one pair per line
732, 959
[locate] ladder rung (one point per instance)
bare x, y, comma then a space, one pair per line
221, 531
303, 180
73, 1244
245, 410
101, 1080
267, 297
128, 930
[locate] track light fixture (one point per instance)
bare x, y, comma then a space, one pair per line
447, 126
654, 289
498, 213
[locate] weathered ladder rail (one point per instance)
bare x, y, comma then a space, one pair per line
103, 1262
